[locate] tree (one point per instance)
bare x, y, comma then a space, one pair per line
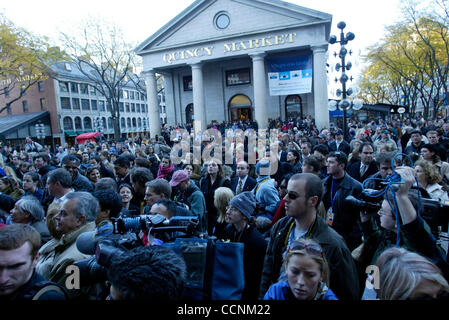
409, 66
106, 59
24, 61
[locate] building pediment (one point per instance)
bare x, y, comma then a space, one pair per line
198, 23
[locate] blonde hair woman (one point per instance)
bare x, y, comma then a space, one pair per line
406, 275
222, 196
430, 179
307, 273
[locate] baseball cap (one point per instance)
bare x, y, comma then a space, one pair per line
178, 177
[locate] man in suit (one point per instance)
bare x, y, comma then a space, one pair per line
242, 181
340, 144
367, 166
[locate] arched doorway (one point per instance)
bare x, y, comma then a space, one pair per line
189, 113
293, 106
240, 108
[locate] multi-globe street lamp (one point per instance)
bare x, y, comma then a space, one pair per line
344, 104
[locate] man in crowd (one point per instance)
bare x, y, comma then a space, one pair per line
121, 168
242, 181
339, 144
19, 245
304, 193
433, 138
139, 177
79, 182
417, 143
367, 166
191, 195
155, 190
77, 215
42, 165
337, 186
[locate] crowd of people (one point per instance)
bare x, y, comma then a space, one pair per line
303, 236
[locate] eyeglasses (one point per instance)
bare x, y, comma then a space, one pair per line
312, 249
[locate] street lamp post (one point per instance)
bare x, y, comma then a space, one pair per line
344, 104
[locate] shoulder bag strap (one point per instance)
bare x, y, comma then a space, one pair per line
46, 289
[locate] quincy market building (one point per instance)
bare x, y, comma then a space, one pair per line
230, 60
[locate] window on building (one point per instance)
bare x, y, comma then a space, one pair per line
142, 97
139, 123
134, 123
76, 103
101, 105
121, 107
128, 122
137, 96
110, 125
138, 107
133, 107
84, 88
104, 122
127, 107
85, 104
78, 125
188, 84
43, 104
63, 86
25, 106
121, 94
68, 123
122, 123
238, 77
65, 103
108, 104
40, 86
87, 123
73, 87
131, 95
125, 94
93, 104
92, 90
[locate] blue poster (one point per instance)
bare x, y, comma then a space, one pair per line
290, 75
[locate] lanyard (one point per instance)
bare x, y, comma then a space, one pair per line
335, 195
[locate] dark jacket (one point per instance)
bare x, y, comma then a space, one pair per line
343, 273
253, 257
194, 198
42, 228
29, 290
344, 146
43, 172
81, 183
354, 170
249, 185
208, 191
345, 218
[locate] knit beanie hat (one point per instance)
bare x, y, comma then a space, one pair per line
265, 166
244, 202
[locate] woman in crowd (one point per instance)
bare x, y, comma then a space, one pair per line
241, 229
406, 275
212, 180
93, 174
429, 178
222, 197
10, 187
307, 274
293, 160
126, 193
31, 183
166, 168
430, 154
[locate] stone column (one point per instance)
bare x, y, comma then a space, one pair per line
153, 103
260, 90
320, 99
172, 115
199, 111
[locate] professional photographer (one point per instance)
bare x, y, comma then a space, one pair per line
410, 232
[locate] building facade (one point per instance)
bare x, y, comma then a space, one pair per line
68, 105
229, 60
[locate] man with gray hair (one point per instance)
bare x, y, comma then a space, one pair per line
77, 215
28, 210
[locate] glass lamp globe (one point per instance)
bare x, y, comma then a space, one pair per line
332, 105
